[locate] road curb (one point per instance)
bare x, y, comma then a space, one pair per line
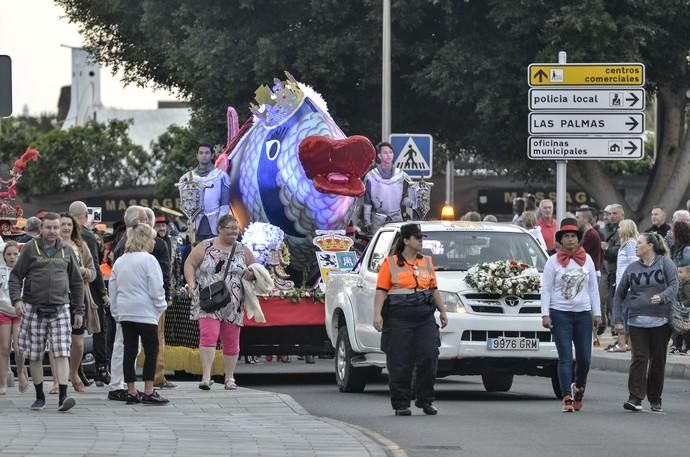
293, 405
677, 369
391, 448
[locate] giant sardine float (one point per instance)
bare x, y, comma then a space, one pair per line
291, 166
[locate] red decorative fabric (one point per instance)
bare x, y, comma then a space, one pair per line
579, 256
337, 166
283, 312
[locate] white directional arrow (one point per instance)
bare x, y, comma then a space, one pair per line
586, 123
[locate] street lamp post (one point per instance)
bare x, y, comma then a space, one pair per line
386, 73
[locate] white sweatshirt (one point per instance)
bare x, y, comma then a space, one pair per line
574, 288
136, 289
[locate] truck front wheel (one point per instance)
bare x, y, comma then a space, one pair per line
348, 378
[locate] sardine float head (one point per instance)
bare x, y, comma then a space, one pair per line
291, 166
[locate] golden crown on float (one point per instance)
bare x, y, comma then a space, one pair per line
278, 103
333, 242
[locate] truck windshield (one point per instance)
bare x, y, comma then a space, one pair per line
460, 250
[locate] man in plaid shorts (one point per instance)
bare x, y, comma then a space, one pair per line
48, 272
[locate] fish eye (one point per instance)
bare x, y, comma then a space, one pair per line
272, 149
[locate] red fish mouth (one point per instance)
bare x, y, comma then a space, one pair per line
337, 166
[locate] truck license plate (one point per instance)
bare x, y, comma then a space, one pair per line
512, 344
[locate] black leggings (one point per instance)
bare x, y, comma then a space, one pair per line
131, 332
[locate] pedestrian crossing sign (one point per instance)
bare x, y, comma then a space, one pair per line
413, 153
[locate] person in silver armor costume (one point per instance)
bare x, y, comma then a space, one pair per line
205, 194
386, 191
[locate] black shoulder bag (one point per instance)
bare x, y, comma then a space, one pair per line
216, 295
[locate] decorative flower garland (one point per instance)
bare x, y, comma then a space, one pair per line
504, 277
301, 293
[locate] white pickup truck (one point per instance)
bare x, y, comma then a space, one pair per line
490, 335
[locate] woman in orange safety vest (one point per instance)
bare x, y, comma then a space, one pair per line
404, 305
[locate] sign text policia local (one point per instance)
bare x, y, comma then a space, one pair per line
576, 114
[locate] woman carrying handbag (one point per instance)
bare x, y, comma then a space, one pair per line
211, 263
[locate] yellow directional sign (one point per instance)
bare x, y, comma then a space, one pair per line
586, 74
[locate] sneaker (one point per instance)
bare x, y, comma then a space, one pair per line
428, 408
673, 350
656, 407
403, 412
165, 385
67, 404
633, 405
567, 405
118, 395
39, 404
133, 399
578, 394
153, 399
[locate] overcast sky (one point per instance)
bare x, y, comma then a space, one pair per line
31, 32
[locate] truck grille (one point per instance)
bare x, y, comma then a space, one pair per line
482, 335
481, 296
530, 310
487, 309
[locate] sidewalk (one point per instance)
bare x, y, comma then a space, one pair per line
677, 366
239, 423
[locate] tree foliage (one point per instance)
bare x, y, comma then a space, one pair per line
175, 151
93, 156
459, 67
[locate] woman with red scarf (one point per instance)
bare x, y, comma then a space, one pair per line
570, 307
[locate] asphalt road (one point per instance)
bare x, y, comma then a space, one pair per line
524, 422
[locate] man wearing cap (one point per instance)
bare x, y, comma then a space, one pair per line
404, 305
386, 191
215, 193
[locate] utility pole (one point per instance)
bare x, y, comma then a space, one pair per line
386, 73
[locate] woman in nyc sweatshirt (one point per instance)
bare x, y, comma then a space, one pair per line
648, 288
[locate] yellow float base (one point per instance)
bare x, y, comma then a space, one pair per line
179, 358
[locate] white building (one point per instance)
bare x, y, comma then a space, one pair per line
86, 105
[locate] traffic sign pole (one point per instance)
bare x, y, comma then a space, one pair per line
561, 168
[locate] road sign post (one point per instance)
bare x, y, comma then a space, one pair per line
589, 111
5, 86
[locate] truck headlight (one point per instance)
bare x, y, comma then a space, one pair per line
452, 302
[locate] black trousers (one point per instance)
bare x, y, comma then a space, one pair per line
100, 341
646, 375
410, 340
131, 332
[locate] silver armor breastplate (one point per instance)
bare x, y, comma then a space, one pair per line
386, 194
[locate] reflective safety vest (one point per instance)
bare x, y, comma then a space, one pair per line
408, 278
